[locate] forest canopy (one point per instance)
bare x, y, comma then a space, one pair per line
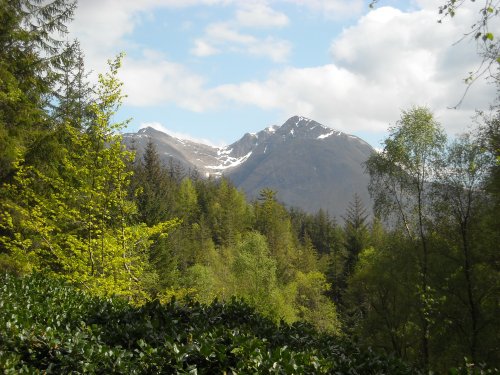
418, 279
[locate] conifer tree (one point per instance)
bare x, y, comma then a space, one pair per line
73, 92
273, 221
356, 236
156, 199
28, 56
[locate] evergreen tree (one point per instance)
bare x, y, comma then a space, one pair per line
156, 198
28, 56
72, 93
356, 237
273, 221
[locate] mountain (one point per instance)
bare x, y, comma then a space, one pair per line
311, 166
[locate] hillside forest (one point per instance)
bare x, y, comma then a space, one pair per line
416, 278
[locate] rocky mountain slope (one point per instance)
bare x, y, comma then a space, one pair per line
311, 166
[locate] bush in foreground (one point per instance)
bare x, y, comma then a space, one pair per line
51, 327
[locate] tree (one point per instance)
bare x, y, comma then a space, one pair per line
78, 224
228, 214
312, 304
157, 190
28, 56
155, 193
399, 183
72, 92
382, 311
256, 278
273, 221
490, 138
356, 236
461, 201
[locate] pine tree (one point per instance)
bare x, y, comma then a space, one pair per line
156, 200
356, 236
72, 93
273, 221
28, 56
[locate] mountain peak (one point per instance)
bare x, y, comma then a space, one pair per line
146, 130
303, 127
298, 121
312, 166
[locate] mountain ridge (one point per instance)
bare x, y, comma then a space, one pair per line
310, 165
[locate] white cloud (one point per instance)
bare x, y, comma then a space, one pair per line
260, 15
333, 8
222, 32
153, 80
277, 50
202, 48
390, 60
224, 36
102, 25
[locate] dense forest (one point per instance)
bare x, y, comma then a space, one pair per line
418, 279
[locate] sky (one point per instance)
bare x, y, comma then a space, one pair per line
213, 70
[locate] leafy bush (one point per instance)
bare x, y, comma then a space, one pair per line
48, 326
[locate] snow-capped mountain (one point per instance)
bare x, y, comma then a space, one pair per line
311, 166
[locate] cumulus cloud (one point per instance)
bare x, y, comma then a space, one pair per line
260, 15
226, 36
390, 60
154, 80
102, 25
202, 48
333, 8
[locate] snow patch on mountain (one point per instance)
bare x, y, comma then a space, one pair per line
229, 162
272, 129
224, 151
219, 160
300, 119
323, 136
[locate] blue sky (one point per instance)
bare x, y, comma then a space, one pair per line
212, 70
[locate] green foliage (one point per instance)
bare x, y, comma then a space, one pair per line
47, 326
399, 184
77, 223
379, 291
430, 279
28, 56
273, 221
312, 304
75, 205
356, 239
256, 278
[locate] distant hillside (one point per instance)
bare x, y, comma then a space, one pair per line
311, 166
